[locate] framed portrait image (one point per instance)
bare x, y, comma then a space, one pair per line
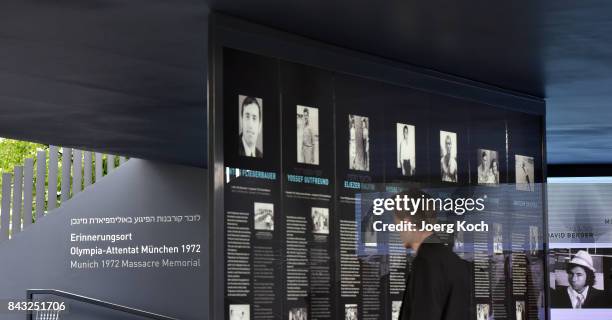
406, 157
448, 156
359, 143
250, 126
307, 135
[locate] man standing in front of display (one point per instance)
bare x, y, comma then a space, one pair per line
580, 294
250, 119
438, 286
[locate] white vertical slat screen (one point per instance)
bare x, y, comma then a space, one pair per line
17, 198
24, 191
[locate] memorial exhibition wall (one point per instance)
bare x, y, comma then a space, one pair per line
298, 151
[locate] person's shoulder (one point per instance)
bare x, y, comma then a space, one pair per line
596, 299
559, 290
596, 292
559, 296
436, 252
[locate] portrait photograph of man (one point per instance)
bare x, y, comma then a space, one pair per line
576, 286
488, 167
359, 143
524, 173
250, 118
406, 160
307, 135
448, 156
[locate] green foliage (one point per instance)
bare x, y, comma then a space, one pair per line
14, 152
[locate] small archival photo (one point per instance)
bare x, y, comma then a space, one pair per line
520, 310
498, 241
307, 135
239, 312
350, 312
406, 159
533, 240
488, 167
396, 307
482, 311
448, 156
320, 220
264, 216
359, 143
524, 173
250, 124
298, 314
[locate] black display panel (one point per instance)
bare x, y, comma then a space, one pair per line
308, 191
297, 244
253, 221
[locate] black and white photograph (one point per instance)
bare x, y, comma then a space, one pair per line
488, 167
298, 314
307, 135
359, 143
482, 311
250, 119
320, 220
396, 307
524, 173
406, 158
368, 234
350, 311
498, 241
520, 310
533, 240
239, 312
459, 243
448, 156
579, 279
264, 216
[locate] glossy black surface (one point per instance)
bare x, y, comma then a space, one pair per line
130, 77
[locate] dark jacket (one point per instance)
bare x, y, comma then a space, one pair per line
438, 286
242, 152
559, 298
